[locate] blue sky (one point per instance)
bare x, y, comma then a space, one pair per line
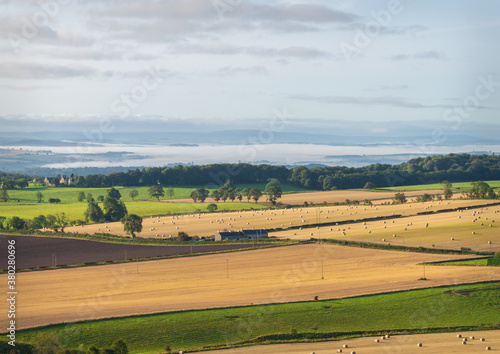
237, 62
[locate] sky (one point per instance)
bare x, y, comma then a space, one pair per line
242, 64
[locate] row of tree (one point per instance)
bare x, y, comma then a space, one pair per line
431, 169
229, 191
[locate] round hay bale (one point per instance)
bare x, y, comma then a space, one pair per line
393, 235
488, 348
339, 350
419, 344
472, 337
473, 232
353, 352
387, 336
464, 343
482, 339
345, 346
459, 336
452, 238
377, 341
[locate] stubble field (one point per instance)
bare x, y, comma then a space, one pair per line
284, 274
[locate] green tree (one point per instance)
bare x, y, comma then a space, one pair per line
481, 189
215, 195
194, 196
238, 192
100, 198
369, 185
212, 207
16, 223
80, 196
273, 190
94, 212
132, 223
182, 236
39, 197
39, 222
400, 198
448, 192
4, 195
119, 347
61, 221
114, 209
89, 197
133, 193
246, 192
156, 191
113, 193
256, 194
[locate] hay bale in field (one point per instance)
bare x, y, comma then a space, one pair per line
345, 346
339, 350
459, 336
488, 348
419, 344
377, 341
452, 238
482, 339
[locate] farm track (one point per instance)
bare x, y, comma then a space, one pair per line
273, 275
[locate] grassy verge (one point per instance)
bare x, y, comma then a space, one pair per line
473, 306
483, 262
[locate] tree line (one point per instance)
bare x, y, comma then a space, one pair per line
422, 170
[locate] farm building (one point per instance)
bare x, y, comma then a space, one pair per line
240, 235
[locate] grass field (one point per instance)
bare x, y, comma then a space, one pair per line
282, 274
75, 211
412, 310
462, 186
472, 262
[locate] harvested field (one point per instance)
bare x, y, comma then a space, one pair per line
432, 343
35, 252
209, 224
284, 274
449, 230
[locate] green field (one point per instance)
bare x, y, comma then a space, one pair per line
476, 305
75, 211
463, 186
23, 202
472, 262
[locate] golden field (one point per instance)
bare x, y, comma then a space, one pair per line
283, 274
473, 229
432, 343
208, 224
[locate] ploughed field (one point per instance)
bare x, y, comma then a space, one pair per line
432, 343
471, 228
274, 275
209, 224
33, 252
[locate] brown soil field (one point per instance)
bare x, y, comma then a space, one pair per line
330, 197
209, 224
39, 251
432, 343
468, 228
275, 275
